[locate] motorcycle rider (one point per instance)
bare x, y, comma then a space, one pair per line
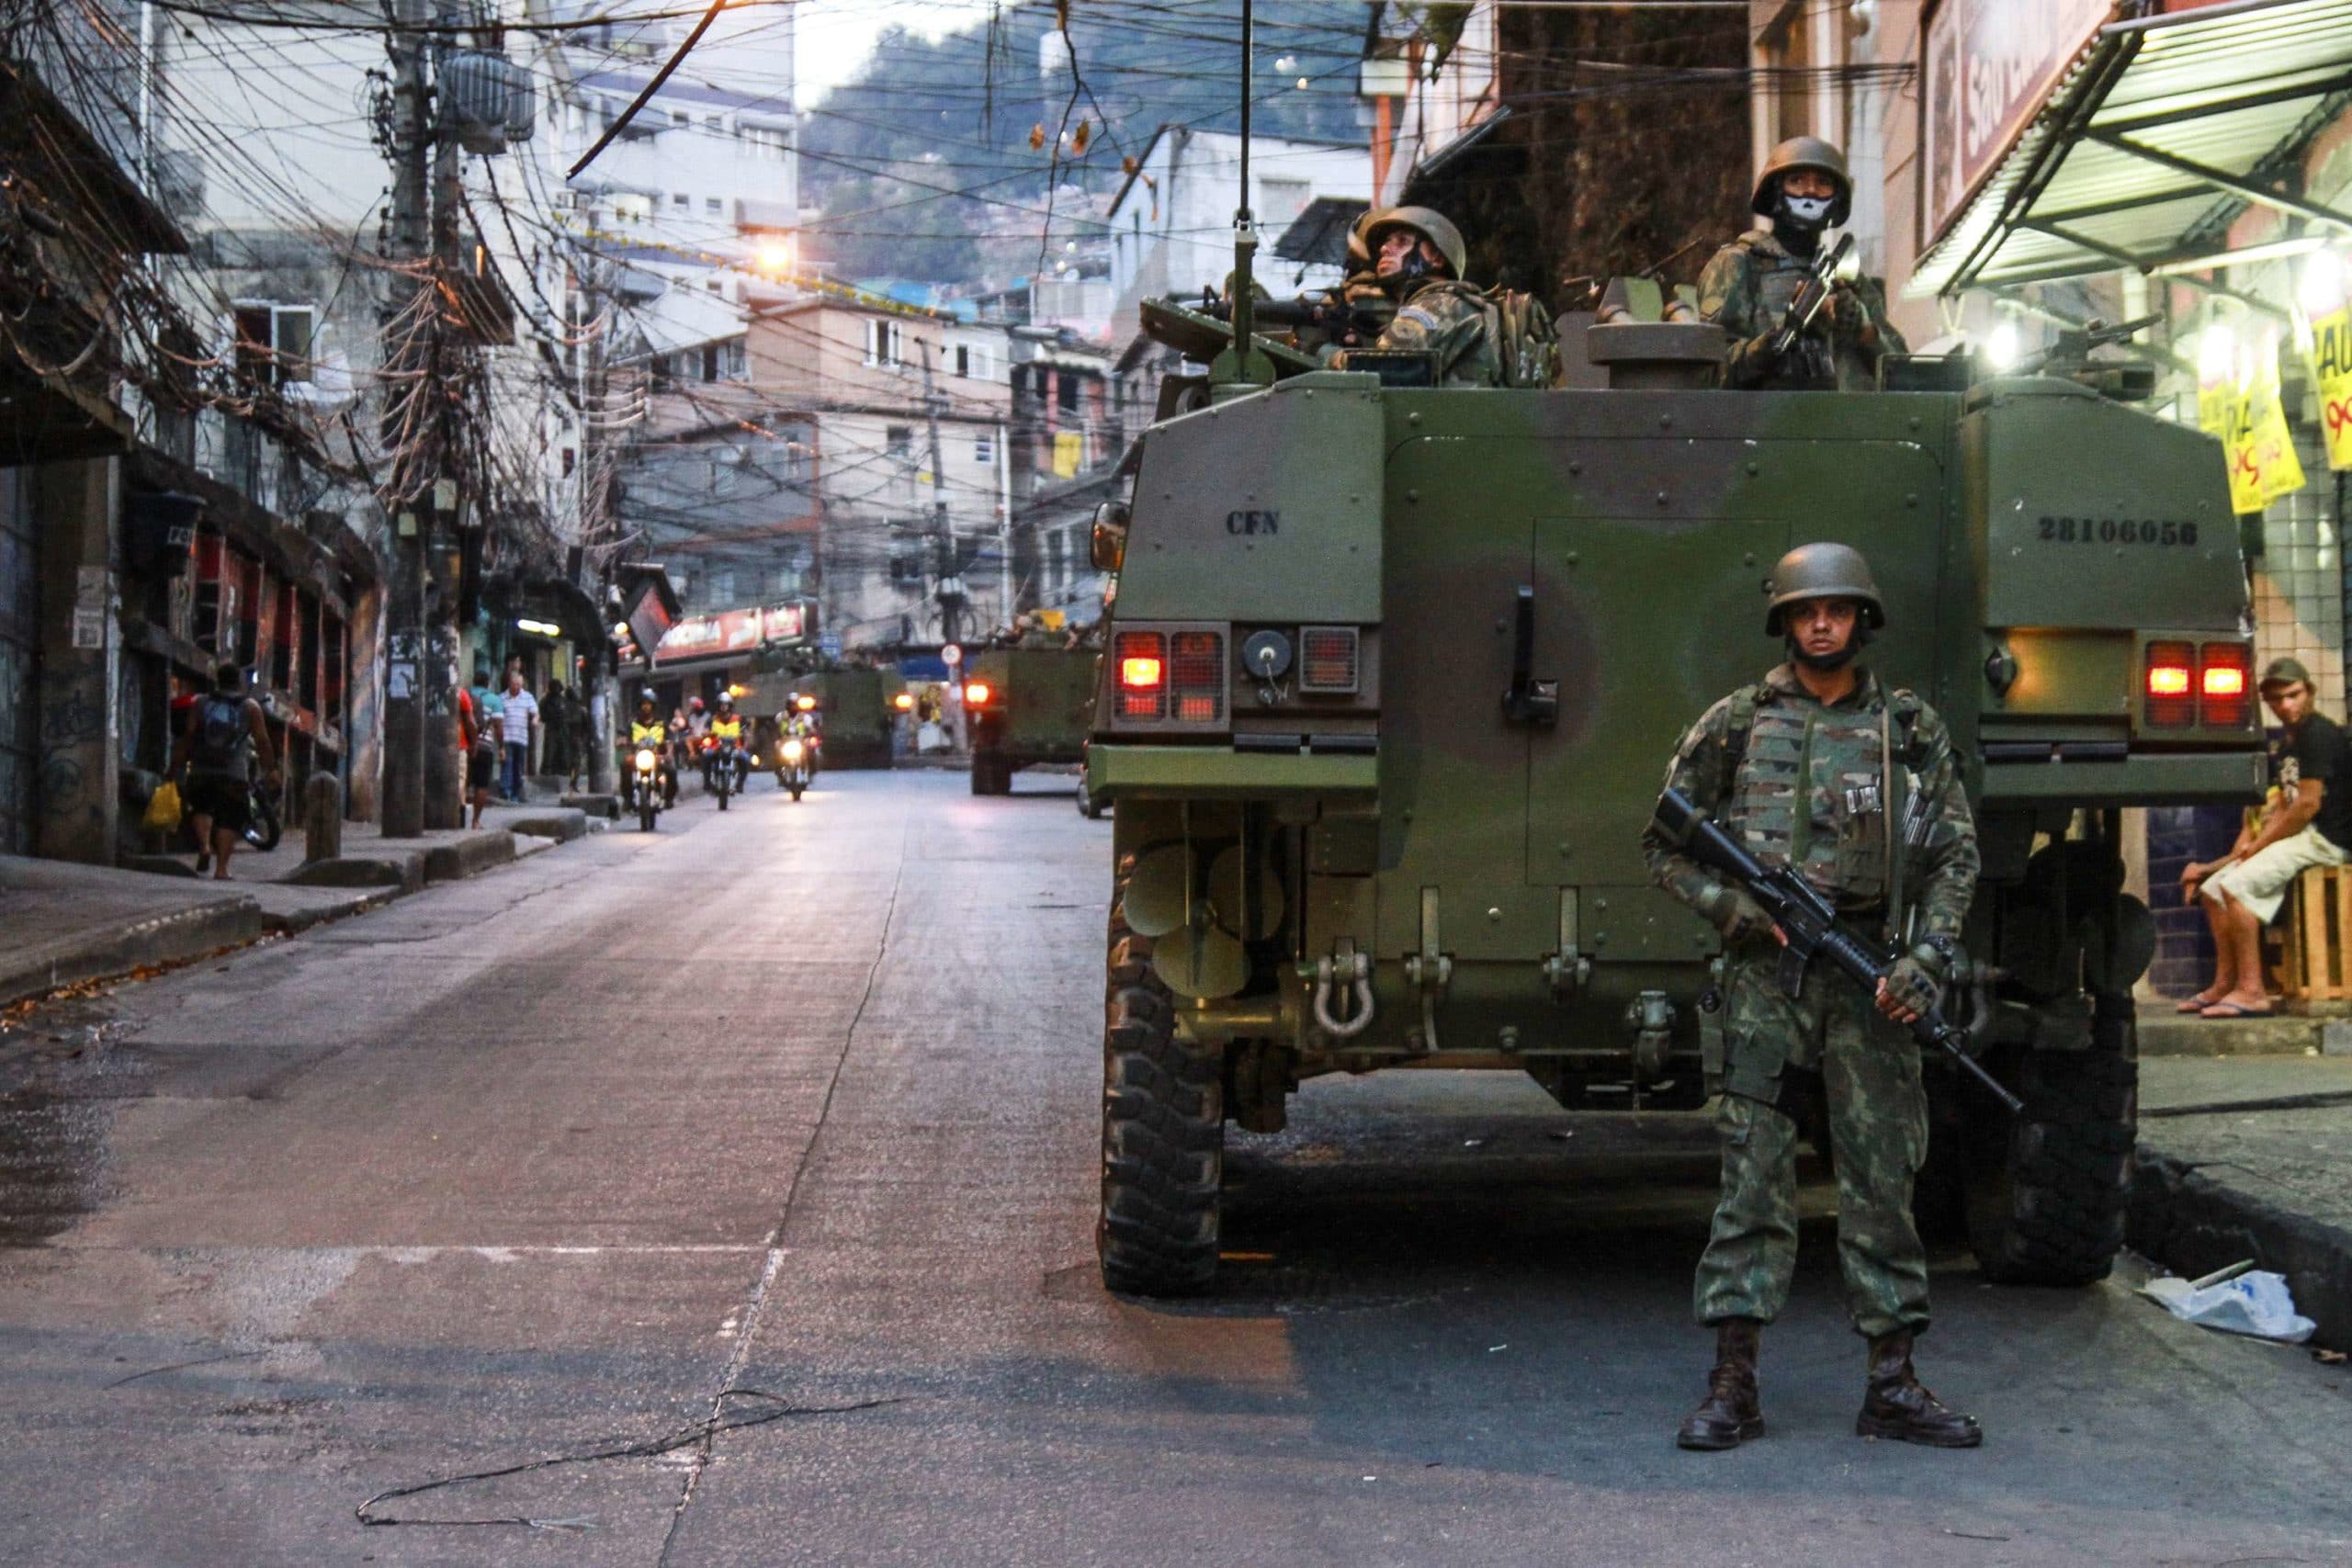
799, 720
646, 729
726, 728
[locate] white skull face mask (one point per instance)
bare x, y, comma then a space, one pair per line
1812, 212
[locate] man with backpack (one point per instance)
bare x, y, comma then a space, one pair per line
214, 756
1476, 337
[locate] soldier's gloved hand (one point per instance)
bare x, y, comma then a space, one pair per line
1915, 984
1740, 919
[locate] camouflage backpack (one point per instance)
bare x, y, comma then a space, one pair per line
1526, 341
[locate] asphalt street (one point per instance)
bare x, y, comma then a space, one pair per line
725, 1195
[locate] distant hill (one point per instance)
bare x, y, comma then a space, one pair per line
930, 142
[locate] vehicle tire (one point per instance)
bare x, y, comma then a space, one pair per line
796, 792
992, 773
1163, 1132
2048, 1190
1088, 806
645, 815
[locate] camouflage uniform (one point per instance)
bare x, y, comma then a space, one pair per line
1457, 322
1807, 791
1747, 288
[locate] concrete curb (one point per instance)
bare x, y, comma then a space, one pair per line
468, 856
2193, 1222
2171, 1034
403, 870
172, 938
562, 825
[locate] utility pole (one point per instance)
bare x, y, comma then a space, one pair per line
1003, 524
445, 805
952, 596
405, 618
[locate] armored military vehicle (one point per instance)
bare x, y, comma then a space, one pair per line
855, 709
1024, 706
1395, 672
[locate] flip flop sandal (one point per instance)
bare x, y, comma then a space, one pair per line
2231, 1010
2195, 1005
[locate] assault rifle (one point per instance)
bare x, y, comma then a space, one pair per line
1810, 928
1334, 316
1820, 278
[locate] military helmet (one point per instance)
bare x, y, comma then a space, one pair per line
1804, 153
1823, 570
1359, 249
1428, 224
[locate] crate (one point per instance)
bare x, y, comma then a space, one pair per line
2316, 968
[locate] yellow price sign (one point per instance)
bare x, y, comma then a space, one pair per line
2332, 379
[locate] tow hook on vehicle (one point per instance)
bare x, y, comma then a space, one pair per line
1429, 972
1651, 1018
1344, 967
1567, 972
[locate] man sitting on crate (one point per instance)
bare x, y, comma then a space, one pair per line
2309, 825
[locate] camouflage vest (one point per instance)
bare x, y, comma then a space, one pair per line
1807, 786
1779, 278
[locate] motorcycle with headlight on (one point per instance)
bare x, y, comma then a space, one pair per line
793, 762
647, 788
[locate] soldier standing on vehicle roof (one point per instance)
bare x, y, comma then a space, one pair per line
1419, 258
1803, 191
1818, 767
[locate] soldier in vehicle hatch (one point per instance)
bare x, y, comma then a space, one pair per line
1819, 767
1747, 288
1418, 257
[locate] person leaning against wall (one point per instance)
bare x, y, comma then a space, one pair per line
2309, 824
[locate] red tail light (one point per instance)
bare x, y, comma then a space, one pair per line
2227, 683
1327, 659
1143, 675
2171, 684
1198, 677
975, 692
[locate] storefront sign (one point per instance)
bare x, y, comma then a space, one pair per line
732, 631
2332, 379
1990, 66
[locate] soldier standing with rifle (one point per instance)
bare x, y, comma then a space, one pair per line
1819, 769
1794, 326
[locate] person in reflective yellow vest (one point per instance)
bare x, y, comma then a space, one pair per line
646, 731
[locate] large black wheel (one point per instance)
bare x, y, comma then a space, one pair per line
992, 773
1163, 1132
796, 792
2046, 1192
645, 814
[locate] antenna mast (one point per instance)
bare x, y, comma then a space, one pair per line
1243, 361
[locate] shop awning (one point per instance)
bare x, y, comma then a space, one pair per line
2164, 131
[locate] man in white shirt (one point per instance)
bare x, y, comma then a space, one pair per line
521, 721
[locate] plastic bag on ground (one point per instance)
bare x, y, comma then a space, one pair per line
2257, 1303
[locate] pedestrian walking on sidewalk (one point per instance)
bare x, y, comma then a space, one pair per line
478, 753
216, 750
520, 722
2309, 824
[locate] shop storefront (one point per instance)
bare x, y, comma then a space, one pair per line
2191, 161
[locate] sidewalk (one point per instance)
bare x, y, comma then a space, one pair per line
2250, 1156
63, 923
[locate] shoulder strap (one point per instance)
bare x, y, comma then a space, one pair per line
1744, 703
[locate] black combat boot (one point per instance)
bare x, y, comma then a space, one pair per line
1898, 1407
1729, 1415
